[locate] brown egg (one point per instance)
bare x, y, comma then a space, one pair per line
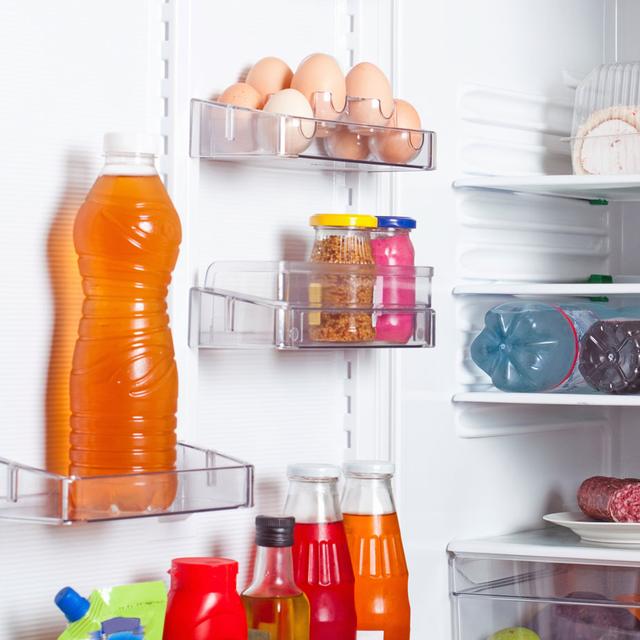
320, 73
269, 76
371, 97
348, 145
242, 94
399, 147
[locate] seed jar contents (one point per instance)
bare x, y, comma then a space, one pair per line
342, 239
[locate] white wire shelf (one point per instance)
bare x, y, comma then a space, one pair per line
594, 189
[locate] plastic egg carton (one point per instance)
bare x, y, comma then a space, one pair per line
361, 137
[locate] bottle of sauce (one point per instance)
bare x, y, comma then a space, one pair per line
276, 608
392, 247
321, 561
124, 382
203, 602
377, 554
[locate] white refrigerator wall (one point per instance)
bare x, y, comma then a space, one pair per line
489, 77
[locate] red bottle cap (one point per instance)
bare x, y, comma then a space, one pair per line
204, 574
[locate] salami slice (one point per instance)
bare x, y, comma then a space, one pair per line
625, 503
610, 499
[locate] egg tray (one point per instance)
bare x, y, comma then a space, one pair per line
230, 133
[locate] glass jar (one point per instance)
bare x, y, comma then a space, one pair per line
321, 561
377, 554
342, 239
391, 246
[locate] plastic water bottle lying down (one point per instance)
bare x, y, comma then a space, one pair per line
535, 346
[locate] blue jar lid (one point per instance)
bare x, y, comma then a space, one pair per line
72, 604
396, 222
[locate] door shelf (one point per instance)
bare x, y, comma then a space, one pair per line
594, 189
304, 305
236, 134
557, 399
204, 480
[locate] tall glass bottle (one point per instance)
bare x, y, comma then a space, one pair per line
276, 608
377, 555
321, 561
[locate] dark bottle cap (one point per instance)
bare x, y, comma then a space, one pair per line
274, 531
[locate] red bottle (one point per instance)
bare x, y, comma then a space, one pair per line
203, 601
321, 560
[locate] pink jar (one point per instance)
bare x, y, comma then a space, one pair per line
391, 245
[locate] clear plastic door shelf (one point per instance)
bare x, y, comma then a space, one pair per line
304, 305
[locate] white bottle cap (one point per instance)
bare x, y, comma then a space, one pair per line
134, 143
314, 471
370, 467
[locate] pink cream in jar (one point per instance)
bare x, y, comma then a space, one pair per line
391, 245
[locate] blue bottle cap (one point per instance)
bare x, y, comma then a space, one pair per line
72, 604
396, 222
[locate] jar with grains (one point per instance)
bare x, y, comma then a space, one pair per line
342, 239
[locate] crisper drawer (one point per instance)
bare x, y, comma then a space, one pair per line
553, 600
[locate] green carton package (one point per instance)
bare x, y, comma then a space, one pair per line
144, 600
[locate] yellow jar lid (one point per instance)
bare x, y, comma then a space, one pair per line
343, 220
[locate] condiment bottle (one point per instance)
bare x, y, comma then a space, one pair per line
391, 246
273, 603
342, 239
377, 555
321, 561
203, 602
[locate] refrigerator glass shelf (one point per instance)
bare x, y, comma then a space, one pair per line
622, 286
557, 399
304, 305
204, 480
544, 580
594, 189
237, 134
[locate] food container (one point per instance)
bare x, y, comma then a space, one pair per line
392, 246
605, 137
342, 239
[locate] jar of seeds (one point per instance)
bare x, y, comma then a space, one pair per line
342, 239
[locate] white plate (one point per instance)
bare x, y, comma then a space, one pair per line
611, 534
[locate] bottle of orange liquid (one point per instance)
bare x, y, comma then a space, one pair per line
377, 555
124, 382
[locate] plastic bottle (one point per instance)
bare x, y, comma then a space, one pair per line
124, 383
120, 629
610, 356
275, 607
391, 245
203, 601
533, 346
321, 561
377, 554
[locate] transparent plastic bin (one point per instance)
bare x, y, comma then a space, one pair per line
230, 133
558, 600
279, 304
205, 480
605, 137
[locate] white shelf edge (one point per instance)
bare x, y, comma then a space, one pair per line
621, 188
551, 543
548, 289
558, 399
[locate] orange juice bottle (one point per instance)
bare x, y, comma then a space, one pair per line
377, 555
124, 382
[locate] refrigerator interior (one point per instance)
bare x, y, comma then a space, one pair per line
493, 79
